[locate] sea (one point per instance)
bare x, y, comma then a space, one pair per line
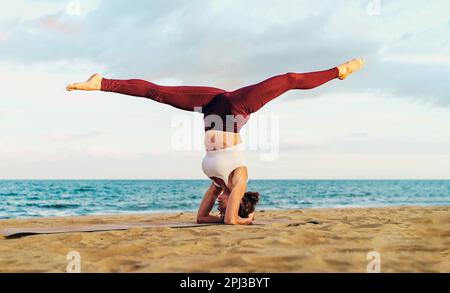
50, 198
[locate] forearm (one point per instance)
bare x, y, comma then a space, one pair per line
203, 215
231, 216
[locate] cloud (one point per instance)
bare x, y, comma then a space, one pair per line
8, 112
57, 23
436, 60
370, 147
71, 136
3, 36
95, 162
237, 43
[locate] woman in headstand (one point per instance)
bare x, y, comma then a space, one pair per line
225, 113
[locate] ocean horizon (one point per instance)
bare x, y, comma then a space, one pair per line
61, 197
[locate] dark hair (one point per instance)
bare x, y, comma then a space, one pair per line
248, 204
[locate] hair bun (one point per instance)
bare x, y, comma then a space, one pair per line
252, 197
248, 203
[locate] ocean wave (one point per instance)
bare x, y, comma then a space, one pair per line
58, 206
9, 194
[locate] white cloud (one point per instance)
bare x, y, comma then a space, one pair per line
438, 60
3, 36
28, 10
81, 8
71, 136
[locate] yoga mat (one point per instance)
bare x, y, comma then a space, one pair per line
17, 232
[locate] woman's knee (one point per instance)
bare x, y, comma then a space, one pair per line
293, 77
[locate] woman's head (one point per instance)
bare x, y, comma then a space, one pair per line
247, 206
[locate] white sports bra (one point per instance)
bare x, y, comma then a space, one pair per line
220, 163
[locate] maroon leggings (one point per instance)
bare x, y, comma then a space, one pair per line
243, 101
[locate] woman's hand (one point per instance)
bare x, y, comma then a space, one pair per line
246, 221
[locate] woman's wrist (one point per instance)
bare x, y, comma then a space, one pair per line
245, 221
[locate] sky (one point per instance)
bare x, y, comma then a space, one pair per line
391, 120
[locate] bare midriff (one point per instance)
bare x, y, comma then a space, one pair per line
218, 140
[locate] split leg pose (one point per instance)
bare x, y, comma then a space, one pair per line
225, 113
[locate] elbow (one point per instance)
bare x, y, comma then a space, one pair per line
200, 220
230, 222
231, 219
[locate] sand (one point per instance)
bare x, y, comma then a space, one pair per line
408, 239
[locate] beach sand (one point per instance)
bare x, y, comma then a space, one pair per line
409, 239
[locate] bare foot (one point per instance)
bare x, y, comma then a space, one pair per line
92, 84
348, 68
